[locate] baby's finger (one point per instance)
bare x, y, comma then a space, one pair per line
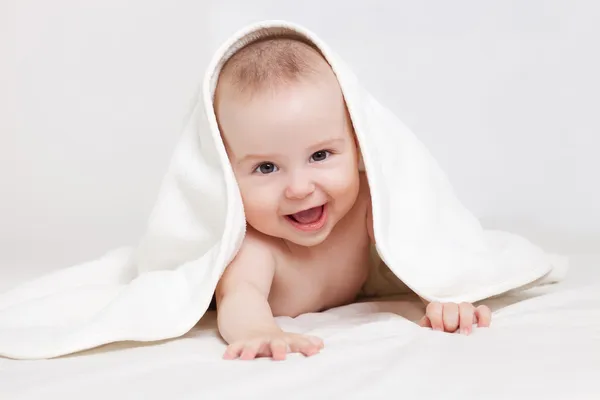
304, 346
250, 350
451, 317
466, 311
295, 345
434, 312
484, 316
264, 350
425, 322
233, 351
316, 341
278, 349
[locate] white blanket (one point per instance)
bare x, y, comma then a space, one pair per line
160, 288
544, 343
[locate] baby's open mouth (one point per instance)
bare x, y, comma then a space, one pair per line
310, 216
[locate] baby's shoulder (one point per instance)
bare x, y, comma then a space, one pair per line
253, 263
255, 244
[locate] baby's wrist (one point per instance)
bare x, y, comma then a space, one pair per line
249, 333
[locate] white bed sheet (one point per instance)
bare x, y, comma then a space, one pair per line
544, 343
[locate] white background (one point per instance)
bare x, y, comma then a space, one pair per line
505, 94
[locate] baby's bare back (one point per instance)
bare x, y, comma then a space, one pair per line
324, 276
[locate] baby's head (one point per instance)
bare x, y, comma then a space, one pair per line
289, 138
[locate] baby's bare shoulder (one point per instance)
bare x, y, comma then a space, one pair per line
254, 263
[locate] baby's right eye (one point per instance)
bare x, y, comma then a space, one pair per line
266, 168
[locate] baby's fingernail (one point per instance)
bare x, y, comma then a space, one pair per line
465, 331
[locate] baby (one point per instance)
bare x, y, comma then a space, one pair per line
291, 144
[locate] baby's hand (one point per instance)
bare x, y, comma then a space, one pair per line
275, 345
449, 317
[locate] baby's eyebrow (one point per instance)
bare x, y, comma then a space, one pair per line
326, 143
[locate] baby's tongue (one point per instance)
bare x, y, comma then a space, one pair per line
308, 216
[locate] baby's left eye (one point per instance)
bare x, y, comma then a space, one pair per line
320, 155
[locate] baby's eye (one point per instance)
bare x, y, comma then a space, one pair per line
266, 168
320, 155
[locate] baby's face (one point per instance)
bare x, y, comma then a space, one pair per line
294, 156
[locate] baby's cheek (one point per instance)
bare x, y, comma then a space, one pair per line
259, 202
344, 184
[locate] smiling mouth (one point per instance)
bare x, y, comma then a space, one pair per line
309, 220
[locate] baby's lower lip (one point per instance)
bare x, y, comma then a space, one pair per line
313, 226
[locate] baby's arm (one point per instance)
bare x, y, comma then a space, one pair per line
244, 316
243, 291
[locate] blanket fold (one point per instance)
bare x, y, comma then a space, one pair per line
160, 288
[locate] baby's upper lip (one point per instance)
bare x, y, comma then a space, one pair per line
306, 208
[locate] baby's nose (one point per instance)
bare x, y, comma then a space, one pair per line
299, 187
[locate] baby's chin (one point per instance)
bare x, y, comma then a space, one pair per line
307, 241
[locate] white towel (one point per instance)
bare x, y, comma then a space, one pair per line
160, 288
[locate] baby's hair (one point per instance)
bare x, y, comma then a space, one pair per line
270, 61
